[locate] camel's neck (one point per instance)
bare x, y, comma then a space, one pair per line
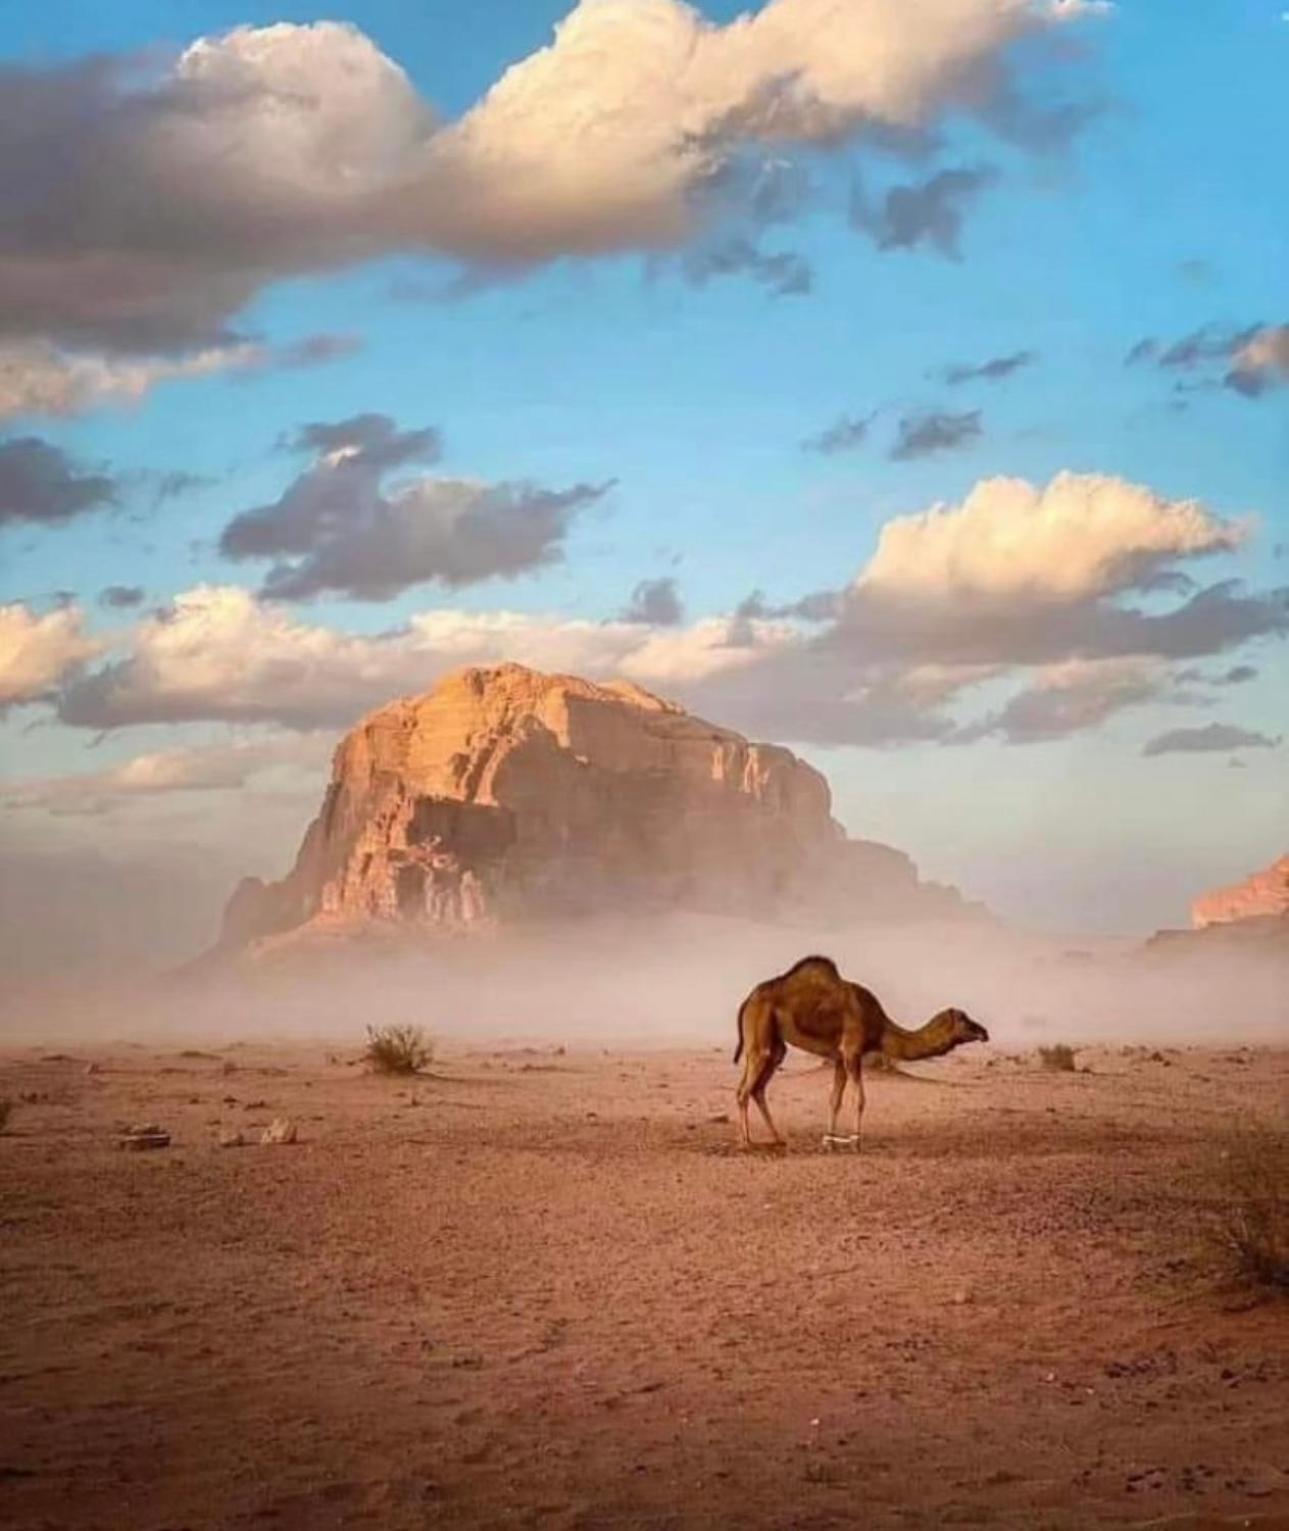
928, 1041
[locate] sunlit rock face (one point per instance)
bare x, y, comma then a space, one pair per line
505, 795
1264, 893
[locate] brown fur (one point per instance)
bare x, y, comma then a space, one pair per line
813, 1007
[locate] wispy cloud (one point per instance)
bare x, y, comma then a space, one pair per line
991, 371
1212, 736
935, 430
843, 435
930, 212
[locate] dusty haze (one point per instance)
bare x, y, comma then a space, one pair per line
674, 981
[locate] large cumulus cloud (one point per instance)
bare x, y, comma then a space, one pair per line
145, 208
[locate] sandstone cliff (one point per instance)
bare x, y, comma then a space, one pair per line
505, 795
1262, 894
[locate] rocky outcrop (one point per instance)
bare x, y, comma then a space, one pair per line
1258, 896
505, 794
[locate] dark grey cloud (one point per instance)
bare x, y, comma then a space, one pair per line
1235, 675
843, 435
1254, 357
1064, 706
1262, 363
1213, 620
656, 602
40, 484
929, 213
176, 483
1200, 272
784, 273
369, 440
315, 351
1209, 343
1213, 736
121, 596
338, 527
1045, 126
932, 431
988, 371
817, 606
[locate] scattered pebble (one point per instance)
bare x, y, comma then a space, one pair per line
147, 1135
280, 1130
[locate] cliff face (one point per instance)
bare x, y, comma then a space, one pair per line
1264, 893
507, 794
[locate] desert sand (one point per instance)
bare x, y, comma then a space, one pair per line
543, 1288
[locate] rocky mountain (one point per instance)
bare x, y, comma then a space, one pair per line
1261, 894
505, 795
1249, 918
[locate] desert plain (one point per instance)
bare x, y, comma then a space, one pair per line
538, 1286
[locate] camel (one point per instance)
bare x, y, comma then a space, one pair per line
813, 1007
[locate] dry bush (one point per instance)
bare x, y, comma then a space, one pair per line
1244, 1201
1058, 1057
6, 1110
398, 1049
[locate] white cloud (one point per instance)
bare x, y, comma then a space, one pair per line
37, 652
219, 653
161, 773
1080, 537
38, 378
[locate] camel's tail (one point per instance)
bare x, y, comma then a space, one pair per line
738, 1051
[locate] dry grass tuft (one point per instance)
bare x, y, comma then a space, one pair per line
1058, 1056
398, 1049
1244, 1202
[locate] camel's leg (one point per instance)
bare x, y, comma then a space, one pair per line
754, 1061
777, 1055
838, 1090
854, 1066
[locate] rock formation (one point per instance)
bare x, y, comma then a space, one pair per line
1264, 893
1248, 918
505, 795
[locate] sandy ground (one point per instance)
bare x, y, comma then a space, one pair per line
544, 1289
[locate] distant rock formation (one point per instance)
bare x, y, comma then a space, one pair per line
1249, 917
1261, 894
506, 795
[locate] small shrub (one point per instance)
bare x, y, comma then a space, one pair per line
1244, 1222
6, 1111
398, 1049
1058, 1057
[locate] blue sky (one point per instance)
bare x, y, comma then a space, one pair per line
691, 394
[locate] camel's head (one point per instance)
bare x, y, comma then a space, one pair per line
964, 1029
